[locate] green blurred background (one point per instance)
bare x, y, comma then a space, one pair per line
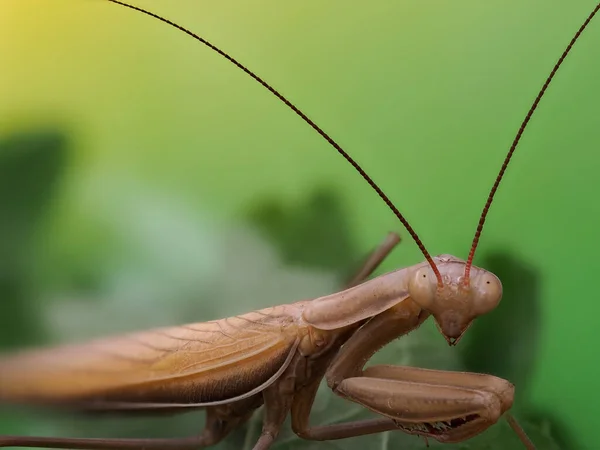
145, 181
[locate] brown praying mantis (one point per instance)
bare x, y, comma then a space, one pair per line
278, 356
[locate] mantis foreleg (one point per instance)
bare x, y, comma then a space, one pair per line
418, 401
349, 362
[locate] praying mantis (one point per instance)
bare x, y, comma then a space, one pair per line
297, 345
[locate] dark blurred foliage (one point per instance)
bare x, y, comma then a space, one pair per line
505, 343
311, 234
31, 165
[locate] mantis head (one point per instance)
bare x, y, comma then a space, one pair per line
454, 303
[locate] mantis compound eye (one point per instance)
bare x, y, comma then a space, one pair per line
487, 292
422, 287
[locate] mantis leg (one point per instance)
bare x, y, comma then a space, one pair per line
301, 420
374, 259
108, 444
278, 401
218, 425
472, 401
387, 326
447, 406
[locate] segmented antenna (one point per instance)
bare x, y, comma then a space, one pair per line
304, 117
516, 142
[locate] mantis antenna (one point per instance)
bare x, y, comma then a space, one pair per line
509, 155
304, 117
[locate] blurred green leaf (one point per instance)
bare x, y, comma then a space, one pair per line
311, 234
505, 342
30, 168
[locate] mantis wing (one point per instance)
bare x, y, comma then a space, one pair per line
198, 363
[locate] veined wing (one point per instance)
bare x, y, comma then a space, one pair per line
196, 363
